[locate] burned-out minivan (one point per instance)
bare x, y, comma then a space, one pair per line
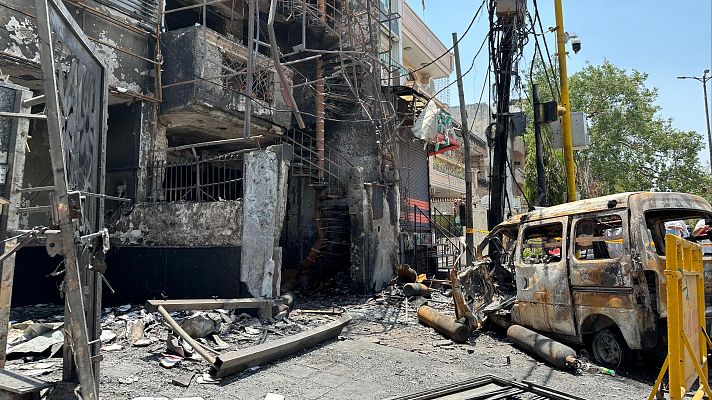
590, 272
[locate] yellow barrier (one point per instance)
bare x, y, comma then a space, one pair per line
686, 361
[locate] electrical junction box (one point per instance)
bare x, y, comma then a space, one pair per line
511, 7
579, 132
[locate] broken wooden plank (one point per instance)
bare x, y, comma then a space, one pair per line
263, 305
11, 382
239, 360
177, 329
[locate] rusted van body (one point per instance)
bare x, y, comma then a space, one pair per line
592, 271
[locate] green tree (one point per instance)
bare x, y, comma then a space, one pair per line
632, 147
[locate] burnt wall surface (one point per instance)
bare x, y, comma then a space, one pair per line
374, 233
19, 51
128, 125
137, 274
189, 224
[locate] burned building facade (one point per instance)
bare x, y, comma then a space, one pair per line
252, 140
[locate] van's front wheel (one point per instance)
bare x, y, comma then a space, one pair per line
609, 348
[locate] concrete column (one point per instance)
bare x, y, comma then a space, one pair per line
265, 198
152, 142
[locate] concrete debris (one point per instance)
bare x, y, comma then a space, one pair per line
112, 347
207, 379
174, 345
183, 380
274, 396
39, 344
107, 336
202, 324
134, 330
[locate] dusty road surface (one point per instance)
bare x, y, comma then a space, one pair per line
384, 352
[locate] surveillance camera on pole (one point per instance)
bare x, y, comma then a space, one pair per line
575, 42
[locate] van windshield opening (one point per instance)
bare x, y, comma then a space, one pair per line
689, 224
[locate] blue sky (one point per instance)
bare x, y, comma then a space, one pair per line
663, 38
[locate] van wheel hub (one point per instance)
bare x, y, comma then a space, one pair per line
607, 349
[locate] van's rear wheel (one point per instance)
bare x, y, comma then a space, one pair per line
609, 348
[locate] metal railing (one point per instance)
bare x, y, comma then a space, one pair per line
200, 180
449, 227
445, 252
336, 170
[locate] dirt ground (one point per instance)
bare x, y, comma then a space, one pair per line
384, 352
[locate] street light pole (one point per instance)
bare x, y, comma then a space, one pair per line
704, 80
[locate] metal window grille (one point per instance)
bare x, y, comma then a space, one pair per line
200, 180
235, 79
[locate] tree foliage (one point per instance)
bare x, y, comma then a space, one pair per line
632, 147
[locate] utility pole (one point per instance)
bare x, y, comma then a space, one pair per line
540, 178
502, 65
566, 123
469, 230
704, 80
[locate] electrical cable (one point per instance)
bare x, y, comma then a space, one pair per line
546, 45
537, 49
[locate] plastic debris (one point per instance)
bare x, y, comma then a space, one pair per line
170, 360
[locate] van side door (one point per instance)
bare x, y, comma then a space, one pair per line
544, 299
600, 256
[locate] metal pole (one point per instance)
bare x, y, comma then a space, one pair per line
249, 93
540, 178
566, 123
469, 231
707, 116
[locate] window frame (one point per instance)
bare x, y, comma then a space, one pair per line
521, 242
625, 234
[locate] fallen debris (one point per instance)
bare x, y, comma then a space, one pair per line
444, 324
489, 387
170, 360
200, 325
406, 274
134, 331
37, 344
183, 380
207, 379
236, 361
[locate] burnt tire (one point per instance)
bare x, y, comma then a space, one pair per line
609, 349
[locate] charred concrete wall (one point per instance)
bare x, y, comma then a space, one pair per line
189, 224
374, 210
128, 74
197, 79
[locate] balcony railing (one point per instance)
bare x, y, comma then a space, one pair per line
392, 72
